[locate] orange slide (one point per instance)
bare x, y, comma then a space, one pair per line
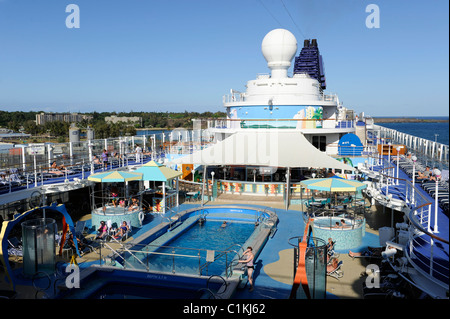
300, 274
64, 233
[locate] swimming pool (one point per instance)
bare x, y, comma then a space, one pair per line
180, 257
202, 249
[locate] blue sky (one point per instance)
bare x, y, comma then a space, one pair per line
176, 55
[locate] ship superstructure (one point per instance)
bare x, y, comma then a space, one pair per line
289, 102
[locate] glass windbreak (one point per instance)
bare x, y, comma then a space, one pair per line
38, 237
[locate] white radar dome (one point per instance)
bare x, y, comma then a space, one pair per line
279, 47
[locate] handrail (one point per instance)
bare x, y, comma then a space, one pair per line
217, 257
416, 224
125, 249
419, 218
116, 252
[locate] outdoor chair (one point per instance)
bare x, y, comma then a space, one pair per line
336, 272
15, 248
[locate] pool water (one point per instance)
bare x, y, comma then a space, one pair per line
123, 284
187, 253
131, 290
330, 222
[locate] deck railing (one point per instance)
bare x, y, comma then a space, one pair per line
424, 248
434, 151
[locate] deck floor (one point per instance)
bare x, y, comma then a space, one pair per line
274, 266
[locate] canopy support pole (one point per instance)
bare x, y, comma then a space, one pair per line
204, 181
178, 192
288, 186
164, 197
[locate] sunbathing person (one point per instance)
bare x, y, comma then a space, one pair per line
332, 265
54, 166
122, 230
95, 159
370, 252
330, 246
435, 174
71, 244
426, 173
102, 230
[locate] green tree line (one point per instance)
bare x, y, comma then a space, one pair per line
27, 121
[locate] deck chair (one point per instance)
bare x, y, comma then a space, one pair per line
336, 272
66, 249
196, 196
15, 248
79, 228
110, 231
129, 229
347, 200
79, 233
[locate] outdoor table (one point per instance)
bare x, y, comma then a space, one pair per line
190, 195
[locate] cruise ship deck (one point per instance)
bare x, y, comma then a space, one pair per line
279, 137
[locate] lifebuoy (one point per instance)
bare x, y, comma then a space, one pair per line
141, 217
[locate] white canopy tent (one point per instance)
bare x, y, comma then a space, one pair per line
263, 148
274, 148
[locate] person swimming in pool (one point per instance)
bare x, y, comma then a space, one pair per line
224, 224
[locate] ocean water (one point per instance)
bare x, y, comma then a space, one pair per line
425, 130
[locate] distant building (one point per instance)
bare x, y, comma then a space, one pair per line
43, 118
126, 119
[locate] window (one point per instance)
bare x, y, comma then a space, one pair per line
320, 142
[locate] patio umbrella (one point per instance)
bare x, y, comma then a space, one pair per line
115, 177
333, 185
153, 171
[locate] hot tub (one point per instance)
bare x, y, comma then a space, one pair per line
117, 215
348, 236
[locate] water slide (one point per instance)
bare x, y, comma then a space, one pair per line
300, 274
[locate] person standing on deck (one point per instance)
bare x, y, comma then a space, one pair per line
138, 153
105, 159
249, 264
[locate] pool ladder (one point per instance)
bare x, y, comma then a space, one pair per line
116, 252
260, 218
